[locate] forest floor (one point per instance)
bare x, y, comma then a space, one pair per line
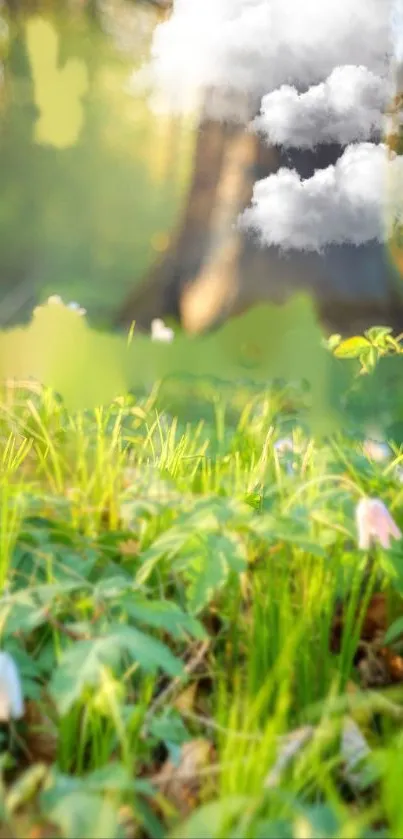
203, 648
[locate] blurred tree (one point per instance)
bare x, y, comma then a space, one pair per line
211, 269
83, 218
83, 221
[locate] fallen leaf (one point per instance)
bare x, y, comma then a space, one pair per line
128, 823
41, 735
186, 700
361, 714
354, 750
394, 664
372, 670
377, 664
45, 831
373, 625
375, 620
130, 547
180, 783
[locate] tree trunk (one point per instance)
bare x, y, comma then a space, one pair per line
159, 294
213, 270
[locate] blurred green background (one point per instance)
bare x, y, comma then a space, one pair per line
85, 222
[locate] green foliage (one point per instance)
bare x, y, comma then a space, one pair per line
377, 342
239, 350
83, 664
169, 579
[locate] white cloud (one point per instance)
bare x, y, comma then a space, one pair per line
254, 46
324, 70
346, 108
396, 21
352, 201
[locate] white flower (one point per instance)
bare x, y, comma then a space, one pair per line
285, 444
283, 447
354, 750
375, 524
160, 332
11, 699
376, 450
56, 300
77, 308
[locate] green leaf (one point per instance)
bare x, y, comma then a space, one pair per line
322, 821
110, 588
112, 776
168, 544
295, 533
169, 727
25, 610
209, 514
377, 334
141, 508
152, 825
162, 614
150, 653
210, 820
352, 347
26, 786
273, 829
208, 570
206, 573
81, 666
394, 631
82, 815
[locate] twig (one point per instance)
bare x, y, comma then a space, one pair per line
176, 683
213, 769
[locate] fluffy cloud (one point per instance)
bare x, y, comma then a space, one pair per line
396, 24
255, 46
347, 107
324, 70
352, 201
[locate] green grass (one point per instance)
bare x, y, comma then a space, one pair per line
146, 553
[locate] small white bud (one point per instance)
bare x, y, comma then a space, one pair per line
354, 750
160, 332
285, 444
77, 308
11, 698
376, 450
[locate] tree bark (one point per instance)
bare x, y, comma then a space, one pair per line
159, 294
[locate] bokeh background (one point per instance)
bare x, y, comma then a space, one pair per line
88, 221
138, 219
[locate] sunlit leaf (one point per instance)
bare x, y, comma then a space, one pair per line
352, 347
81, 666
